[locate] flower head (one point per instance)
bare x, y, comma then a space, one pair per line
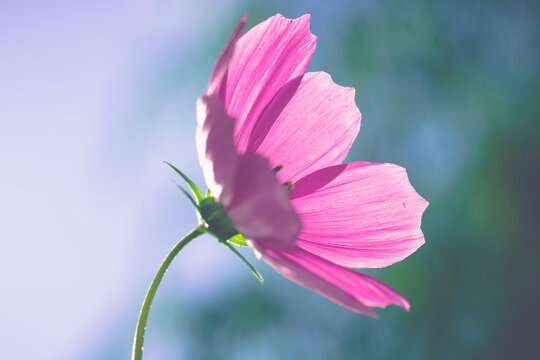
271, 140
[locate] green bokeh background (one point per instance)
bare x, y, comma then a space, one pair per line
450, 91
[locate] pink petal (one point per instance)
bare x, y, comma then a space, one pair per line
314, 130
217, 153
218, 76
265, 58
261, 206
359, 215
353, 290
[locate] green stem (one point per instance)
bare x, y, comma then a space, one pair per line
147, 303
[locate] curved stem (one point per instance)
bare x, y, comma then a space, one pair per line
147, 303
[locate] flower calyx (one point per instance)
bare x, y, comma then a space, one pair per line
216, 220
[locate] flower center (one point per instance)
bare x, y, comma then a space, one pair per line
289, 183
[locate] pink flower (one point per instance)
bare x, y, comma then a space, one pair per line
271, 139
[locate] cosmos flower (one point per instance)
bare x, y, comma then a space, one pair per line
271, 140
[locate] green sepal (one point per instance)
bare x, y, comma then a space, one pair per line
217, 219
194, 188
251, 267
238, 239
191, 199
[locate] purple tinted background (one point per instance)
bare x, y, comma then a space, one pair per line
86, 202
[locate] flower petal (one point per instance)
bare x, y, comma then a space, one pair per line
265, 58
218, 76
360, 215
261, 206
353, 290
217, 153
244, 184
315, 129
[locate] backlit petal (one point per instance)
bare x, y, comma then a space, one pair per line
360, 215
261, 206
265, 58
217, 153
353, 290
315, 129
218, 76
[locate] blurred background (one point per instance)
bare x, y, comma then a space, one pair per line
94, 95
